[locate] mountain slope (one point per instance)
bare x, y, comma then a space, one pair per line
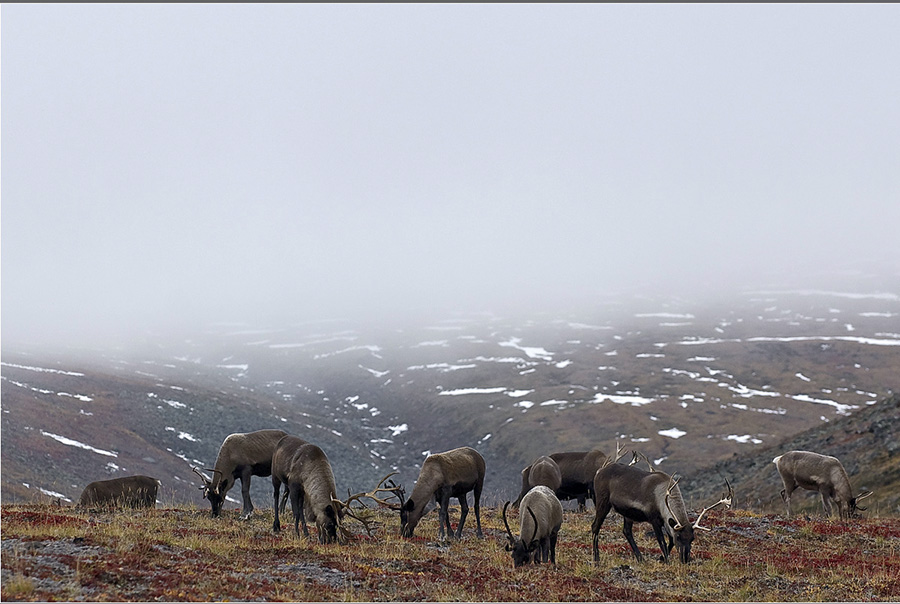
866, 442
687, 383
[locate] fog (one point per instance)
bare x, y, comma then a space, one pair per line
164, 166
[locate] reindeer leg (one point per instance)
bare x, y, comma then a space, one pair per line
444, 514
276, 487
786, 495
245, 492
826, 503
601, 510
297, 501
477, 498
553, 538
661, 539
627, 527
463, 512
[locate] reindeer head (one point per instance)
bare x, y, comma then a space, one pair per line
215, 493
327, 524
522, 552
407, 527
684, 533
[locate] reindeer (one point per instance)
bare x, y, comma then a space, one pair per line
822, 473
444, 475
241, 455
127, 491
652, 497
306, 473
577, 469
543, 471
543, 526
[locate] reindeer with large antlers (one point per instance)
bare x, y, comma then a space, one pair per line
241, 455
652, 497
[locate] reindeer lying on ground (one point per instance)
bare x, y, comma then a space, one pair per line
128, 491
822, 473
652, 497
306, 473
541, 518
241, 455
445, 475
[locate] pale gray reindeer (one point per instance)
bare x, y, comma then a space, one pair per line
305, 471
653, 497
127, 491
241, 455
576, 470
821, 473
541, 518
444, 475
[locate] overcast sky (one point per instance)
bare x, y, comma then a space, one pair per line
176, 164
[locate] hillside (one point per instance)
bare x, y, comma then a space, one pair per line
867, 442
689, 383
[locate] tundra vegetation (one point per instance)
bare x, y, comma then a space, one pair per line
182, 554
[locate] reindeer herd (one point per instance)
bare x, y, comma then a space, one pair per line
638, 495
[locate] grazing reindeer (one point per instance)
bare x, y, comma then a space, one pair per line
127, 491
576, 472
822, 473
542, 522
444, 475
306, 473
652, 497
241, 455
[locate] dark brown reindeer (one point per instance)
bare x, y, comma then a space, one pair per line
541, 518
444, 475
307, 475
241, 456
577, 469
127, 491
821, 473
653, 497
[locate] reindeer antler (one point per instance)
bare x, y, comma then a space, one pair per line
206, 481
636, 455
506, 523
672, 483
726, 499
364, 515
860, 497
620, 452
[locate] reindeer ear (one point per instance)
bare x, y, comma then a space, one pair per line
672, 522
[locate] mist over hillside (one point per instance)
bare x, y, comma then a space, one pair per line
689, 383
